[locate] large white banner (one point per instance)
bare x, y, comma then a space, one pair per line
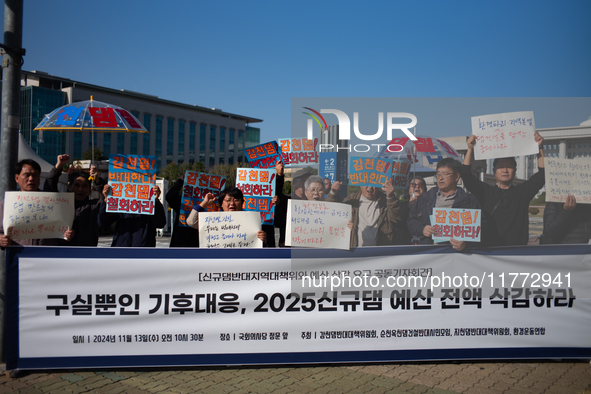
568, 177
504, 135
37, 215
390, 302
236, 229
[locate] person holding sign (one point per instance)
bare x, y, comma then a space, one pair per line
132, 229
505, 205
231, 199
568, 223
27, 174
376, 215
445, 195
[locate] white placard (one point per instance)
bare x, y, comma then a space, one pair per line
504, 135
37, 215
229, 229
566, 176
318, 224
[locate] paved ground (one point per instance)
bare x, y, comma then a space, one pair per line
482, 378
477, 378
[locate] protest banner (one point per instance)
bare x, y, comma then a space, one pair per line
369, 171
258, 188
461, 224
400, 171
263, 156
131, 178
318, 224
504, 135
298, 152
37, 215
236, 229
568, 177
327, 167
213, 307
195, 188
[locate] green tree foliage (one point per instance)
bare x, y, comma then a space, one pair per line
540, 200
173, 171
98, 154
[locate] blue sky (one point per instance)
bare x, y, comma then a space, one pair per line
252, 57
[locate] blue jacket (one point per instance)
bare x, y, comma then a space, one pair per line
133, 230
418, 217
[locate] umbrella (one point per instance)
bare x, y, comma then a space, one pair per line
91, 116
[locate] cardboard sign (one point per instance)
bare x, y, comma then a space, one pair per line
37, 215
131, 178
263, 156
568, 177
236, 229
318, 224
299, 152
195, 188
504, 135
457, 223
258, 188
369, 171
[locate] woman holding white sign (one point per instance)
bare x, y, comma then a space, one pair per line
230, 199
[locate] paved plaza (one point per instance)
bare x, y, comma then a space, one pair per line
478, 378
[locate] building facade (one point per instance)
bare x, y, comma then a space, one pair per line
178, 132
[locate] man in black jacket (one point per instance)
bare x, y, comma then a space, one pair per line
445, 195
568, 223
505, 204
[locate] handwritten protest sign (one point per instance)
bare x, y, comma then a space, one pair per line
258, 188
298, 151
195, 188
318, 224
263, 156
131, 178
504, 135
565, 176
37, 215
327, 167
369, 171
236, 229
457, 223
400, 170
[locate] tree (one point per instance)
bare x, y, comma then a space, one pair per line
173, 171
98, 154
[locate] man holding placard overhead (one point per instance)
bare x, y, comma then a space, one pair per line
506, 204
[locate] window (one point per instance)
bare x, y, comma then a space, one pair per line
192, 127
211, 146
181, 143
222, 144
158, 141
147, 135
169, 140
231, 147
121, 143
77, 145
202, 130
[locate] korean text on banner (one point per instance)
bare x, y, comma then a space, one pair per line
457, 223
565, 176
195, 188
327, 167
258, 188
263, 156
369, 171
318, 224
131, 178
298, 152
504, 135
37, 215
229, 229
400, 170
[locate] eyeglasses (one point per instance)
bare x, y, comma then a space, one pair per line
441, 175
412, 184
234, 200
316, 191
